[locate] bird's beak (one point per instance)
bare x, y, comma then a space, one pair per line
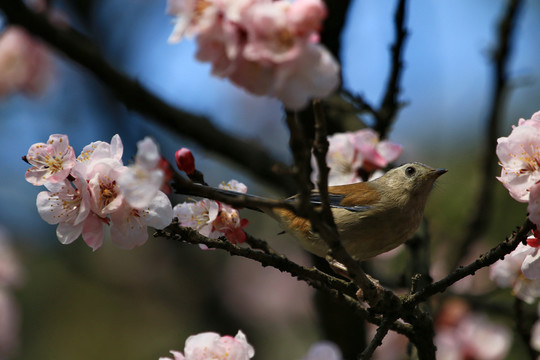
439, 172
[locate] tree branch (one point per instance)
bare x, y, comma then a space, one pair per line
486, 259
390, 103
343, 291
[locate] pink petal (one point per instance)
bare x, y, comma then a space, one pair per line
93, 231
531, 266
389, 151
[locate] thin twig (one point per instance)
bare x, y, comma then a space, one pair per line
259, 244
390, 104
320, 149
382, 330
483, 260
184, 186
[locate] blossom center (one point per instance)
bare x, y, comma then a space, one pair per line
108, 191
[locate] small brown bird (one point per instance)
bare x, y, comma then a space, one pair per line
371, 217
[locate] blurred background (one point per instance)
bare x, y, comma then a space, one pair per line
75, 303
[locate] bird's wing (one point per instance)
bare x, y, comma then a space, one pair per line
335, 202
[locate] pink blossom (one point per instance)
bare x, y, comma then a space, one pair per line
313, 74
105, 194
192, 17
25, 63
534, 121
129, 225
234, 185
93, 231
140, 182
230, 224
531, 264
211, 345
214, 219
67, 206
348, 153
519, 156
270, 37
98, 150
52, 162
199, 216
375, 154
509, 273
306, 16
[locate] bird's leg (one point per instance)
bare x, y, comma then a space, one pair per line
338, 267
341, 269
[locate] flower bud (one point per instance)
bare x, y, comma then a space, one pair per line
185, 161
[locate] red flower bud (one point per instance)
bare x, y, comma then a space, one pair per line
185, 161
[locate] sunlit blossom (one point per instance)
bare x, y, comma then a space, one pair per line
51, 162
67, 206
199, 216
234, 185
129, 225
140, 182
212, 218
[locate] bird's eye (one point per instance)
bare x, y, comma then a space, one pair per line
410, 171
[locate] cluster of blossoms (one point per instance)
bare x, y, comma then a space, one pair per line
210, 345
266, 47
519, 156
210, 218
354, 154
96, 190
